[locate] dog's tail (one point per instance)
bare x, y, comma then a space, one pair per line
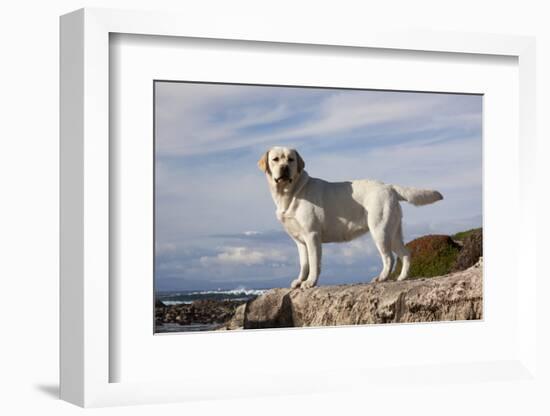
417, 196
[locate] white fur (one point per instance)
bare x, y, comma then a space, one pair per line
314, 211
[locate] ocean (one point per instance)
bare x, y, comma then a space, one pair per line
189, 296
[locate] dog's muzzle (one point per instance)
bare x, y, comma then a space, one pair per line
285, 175
283, 179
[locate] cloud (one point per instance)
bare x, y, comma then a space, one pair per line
457, 162
164, 248
341, 112
197, 119
351, 252
242, 256
256, 237
202, 118
357, 248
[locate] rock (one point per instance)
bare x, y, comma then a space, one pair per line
237, 321
456, 296
159, 304
460, 236
206, 311
472, 250
273, 310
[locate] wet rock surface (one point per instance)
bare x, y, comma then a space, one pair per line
198, 312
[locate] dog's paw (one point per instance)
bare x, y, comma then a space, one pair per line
295, 284
306, 284
379, 279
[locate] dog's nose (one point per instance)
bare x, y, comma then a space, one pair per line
285, 170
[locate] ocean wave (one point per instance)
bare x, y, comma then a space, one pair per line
176, 302
247, 292
181, 297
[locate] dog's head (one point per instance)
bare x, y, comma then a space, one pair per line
282, 165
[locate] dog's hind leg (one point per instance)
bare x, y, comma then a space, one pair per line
398, 246
383, 243
384, 220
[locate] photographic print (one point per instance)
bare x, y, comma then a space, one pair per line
291, 206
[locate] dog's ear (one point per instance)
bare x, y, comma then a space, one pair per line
301, 163
263, 163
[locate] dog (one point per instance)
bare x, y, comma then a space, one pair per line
314, 211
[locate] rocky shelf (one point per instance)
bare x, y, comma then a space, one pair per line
455, 296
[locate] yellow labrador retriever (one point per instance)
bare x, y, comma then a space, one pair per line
314, 211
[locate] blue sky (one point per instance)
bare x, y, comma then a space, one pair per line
215, 220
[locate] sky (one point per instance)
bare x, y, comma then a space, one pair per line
215, 224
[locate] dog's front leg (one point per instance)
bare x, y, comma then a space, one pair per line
304, 265
313, 244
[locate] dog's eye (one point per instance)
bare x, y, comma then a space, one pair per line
290, 159
275, 159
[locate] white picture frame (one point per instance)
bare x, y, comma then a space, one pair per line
86, 356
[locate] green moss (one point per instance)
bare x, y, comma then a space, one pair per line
463, 234
431, 255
